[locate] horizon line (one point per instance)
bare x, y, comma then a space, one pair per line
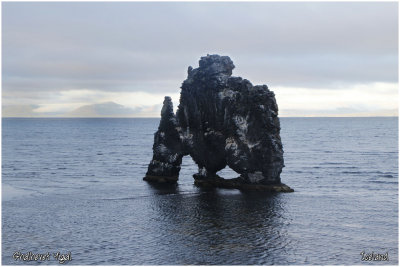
62, 117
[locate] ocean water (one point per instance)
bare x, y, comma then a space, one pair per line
75, 185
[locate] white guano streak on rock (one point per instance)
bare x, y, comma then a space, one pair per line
255, 177
203, 171
242, 124
172, 158
162, 149
230, 144
186, 136
226, 93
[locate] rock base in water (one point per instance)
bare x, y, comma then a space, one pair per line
238, 184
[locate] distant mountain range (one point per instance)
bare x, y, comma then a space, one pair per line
112, 109
106, 109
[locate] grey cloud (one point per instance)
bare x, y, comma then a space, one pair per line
137, 46
106, 109
349, 111
320, 70
18, 110
21, 86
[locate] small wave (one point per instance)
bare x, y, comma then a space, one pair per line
10, 192
383, 182
124, 198
334, 163
381, 174
342, 167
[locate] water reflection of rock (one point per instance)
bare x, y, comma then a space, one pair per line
218, 226
164, 188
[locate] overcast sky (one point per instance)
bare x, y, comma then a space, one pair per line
320, 59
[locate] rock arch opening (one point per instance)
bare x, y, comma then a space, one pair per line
228, 173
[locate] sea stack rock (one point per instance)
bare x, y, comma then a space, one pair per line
221, 121
167, 148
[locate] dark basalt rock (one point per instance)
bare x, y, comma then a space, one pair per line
167, 147
221, 121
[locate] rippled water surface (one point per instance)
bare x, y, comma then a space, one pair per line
75, 185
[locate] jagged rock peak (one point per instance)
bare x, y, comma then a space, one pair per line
168, 118
168, 107
214, 65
